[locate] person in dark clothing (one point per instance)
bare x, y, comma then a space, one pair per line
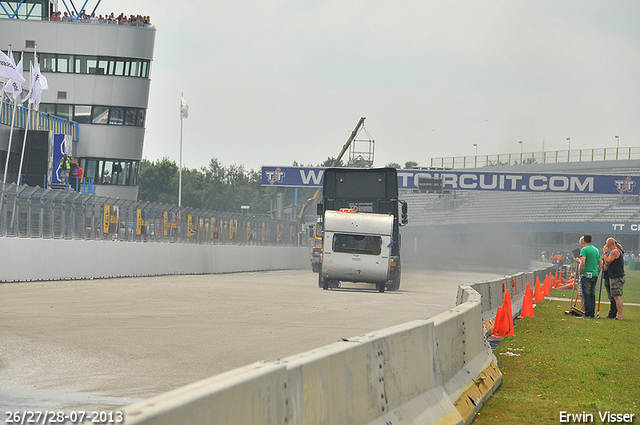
613, 310
614, 260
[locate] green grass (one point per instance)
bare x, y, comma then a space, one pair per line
631, 291
566, 364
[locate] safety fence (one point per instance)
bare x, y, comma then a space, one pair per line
33, 212
546, 157
37, 120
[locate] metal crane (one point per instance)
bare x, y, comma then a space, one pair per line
316, 195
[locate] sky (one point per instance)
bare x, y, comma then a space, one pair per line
276, 81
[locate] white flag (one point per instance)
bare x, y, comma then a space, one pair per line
38, 83
184, 109
8, 68
14, 87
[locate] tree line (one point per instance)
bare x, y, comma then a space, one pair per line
217, 187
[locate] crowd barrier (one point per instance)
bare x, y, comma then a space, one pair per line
32, 212
438, 370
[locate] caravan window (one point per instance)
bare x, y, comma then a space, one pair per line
357, 244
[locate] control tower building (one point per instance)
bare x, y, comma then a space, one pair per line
98, 71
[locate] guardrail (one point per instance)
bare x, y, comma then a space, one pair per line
32, 212
546, 157
38, 120
438, 370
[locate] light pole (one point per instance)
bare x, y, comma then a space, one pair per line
475, 145
617, 142
569, 150
521, 147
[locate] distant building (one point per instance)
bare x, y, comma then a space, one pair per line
98, 74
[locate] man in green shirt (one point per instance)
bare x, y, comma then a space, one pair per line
590, 266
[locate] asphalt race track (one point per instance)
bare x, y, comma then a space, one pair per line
99, 344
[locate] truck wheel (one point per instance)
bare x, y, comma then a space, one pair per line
381, 287
314, 267
394, 284
325, 282
320, 279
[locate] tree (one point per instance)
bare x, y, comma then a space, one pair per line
158, 181
394, 165
329, 163
215, 187
410, 164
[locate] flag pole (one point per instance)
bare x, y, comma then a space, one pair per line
13, 120
2, 94
180, 176
24, 142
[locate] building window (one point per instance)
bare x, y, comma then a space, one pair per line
100, 115
64, 63
64, 111
130, 116
88, 114
120, 172
47, 62
82, 64
48, 108
140, 118
82, 114
116, 116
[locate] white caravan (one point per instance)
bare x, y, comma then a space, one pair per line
356, 247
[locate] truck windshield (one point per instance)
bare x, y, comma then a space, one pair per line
357, 244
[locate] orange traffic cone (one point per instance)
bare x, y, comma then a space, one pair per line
527, 304
539, 296
546, 286
498, 327
556, 280
507, 313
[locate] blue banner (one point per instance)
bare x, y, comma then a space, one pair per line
61, 145
474, 180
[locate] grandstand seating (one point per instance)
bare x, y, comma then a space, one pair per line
494, 207
462, 207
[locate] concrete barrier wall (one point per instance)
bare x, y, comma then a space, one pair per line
439, 370
493, 291
24, 259
425, 371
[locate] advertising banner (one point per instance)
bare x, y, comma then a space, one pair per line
474, 180
61, 145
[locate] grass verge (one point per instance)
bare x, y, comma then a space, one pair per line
631, 290
566, 364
